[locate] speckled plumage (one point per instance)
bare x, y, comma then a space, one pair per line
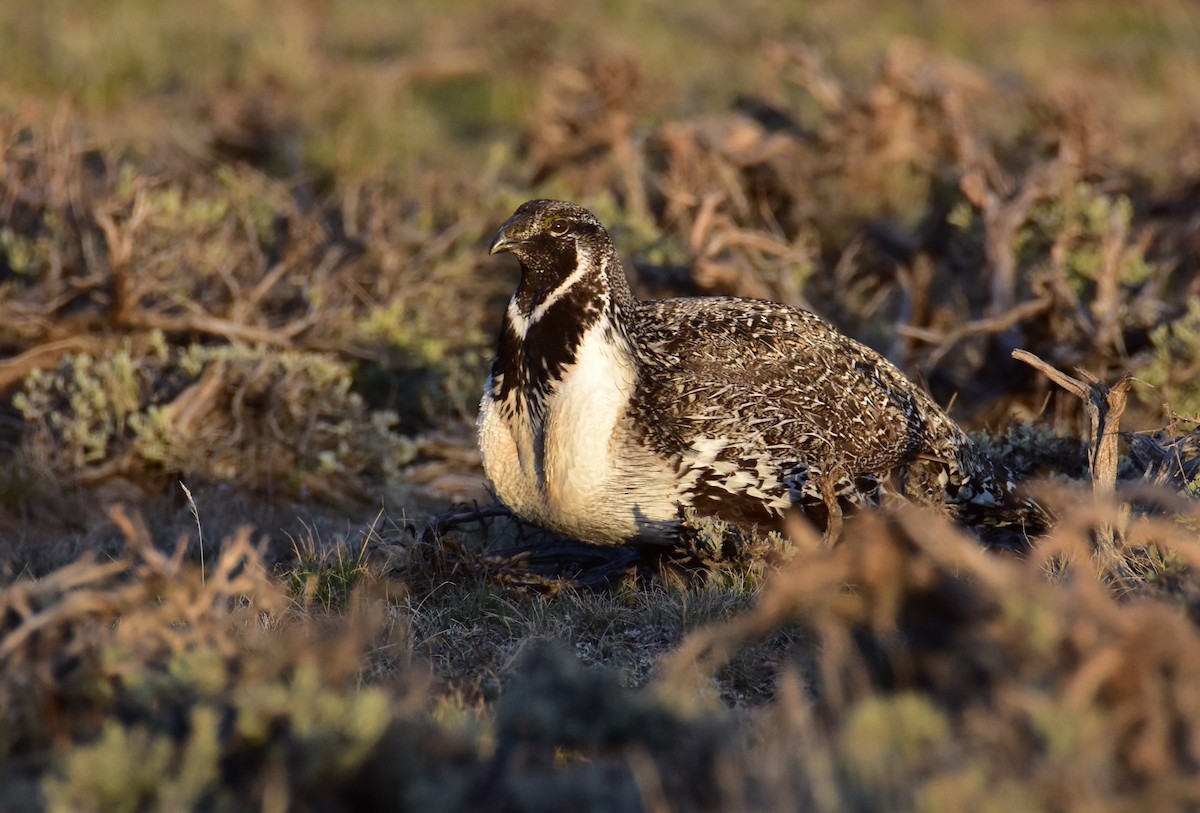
605, 417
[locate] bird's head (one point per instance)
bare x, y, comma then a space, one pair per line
559, 245
550, 233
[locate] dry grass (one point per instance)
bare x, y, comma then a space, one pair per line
243, 249
904, 668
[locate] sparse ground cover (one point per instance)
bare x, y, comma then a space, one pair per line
242, 249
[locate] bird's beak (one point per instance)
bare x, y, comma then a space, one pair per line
502, 242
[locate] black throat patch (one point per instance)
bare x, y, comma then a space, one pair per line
529, 364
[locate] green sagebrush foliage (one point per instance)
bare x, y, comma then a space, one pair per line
220, 693
1172, 370
295, 723
1083, 234
185, 690
223, 413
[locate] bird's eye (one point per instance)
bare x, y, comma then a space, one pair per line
558, 226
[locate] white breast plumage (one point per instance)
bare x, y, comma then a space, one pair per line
582, 411
570, 464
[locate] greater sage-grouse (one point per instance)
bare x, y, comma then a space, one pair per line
605, 417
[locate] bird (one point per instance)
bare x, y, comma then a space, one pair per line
615, 421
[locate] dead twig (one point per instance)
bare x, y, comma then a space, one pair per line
1103, 405
988, 325
1003, 209
14, 370
225, 328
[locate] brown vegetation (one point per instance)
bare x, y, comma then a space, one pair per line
246, 253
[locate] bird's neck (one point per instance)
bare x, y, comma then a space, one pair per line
593, 279
545, 325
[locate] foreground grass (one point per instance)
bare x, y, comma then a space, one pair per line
902, 669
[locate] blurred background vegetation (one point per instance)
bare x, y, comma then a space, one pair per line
371, 88
243, 248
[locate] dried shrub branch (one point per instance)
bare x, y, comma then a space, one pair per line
1103, 405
